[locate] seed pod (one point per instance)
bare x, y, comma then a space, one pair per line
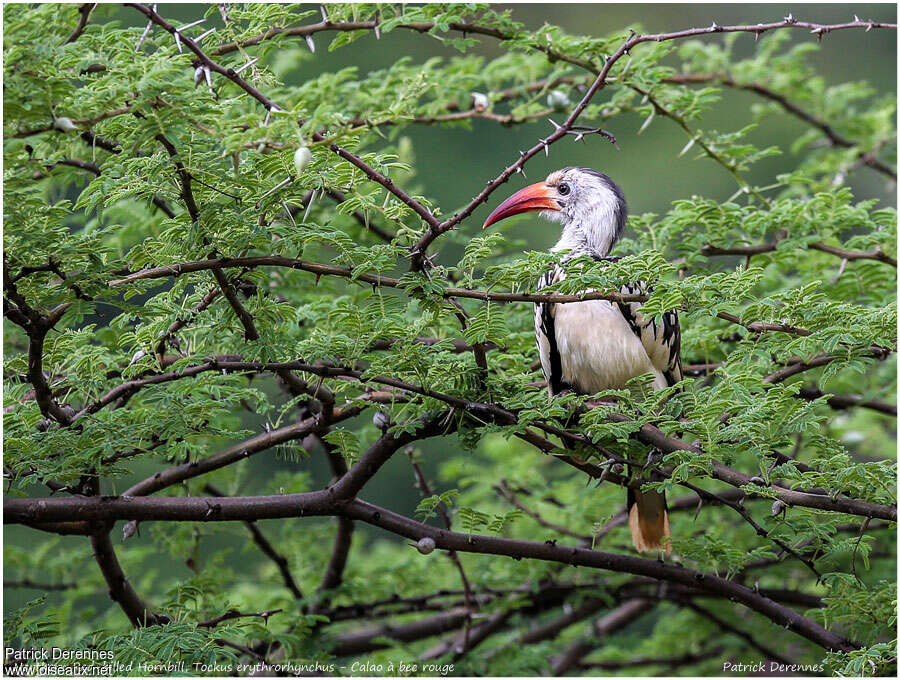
778, 507
64, 124
558, 100
129, 530
425, 545
381, 420
302, 157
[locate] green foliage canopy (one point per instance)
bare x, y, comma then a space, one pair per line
122, 361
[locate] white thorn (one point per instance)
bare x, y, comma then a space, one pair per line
687, 147
143, 36
245, 66
312, 199
190, 25
311, 43
199, 38
177, 42
278, 186
648, 121
268, 118
324, 14
288, 211
855, 19
140, 354
208, 75
198, 75
553, 123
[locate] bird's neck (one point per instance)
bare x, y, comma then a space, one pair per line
594, 242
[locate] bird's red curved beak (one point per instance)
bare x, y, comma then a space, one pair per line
536, 197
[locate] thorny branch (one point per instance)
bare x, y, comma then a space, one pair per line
323, 502
94, 515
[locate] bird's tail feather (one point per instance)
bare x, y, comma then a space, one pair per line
648, 520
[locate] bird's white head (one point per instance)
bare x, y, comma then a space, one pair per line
589, 205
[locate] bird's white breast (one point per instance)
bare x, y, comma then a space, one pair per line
597, 348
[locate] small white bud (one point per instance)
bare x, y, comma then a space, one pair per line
480, 101
140, 354
558, 100
64, 124
425, 545
302, 157
198, 75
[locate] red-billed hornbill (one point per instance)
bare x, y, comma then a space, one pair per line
597, 345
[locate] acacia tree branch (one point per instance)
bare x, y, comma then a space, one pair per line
418, 251
385, 281
846, 401
36, 326
698, 139
330, 502
320, 269
553, 628
232, 614
811, 119
261, 442
425, 490
368, 639
84, 12
648, 434
267, 549
187, 194
615, 620
120, 589
749, 251
270, 105
721, 624
503, 489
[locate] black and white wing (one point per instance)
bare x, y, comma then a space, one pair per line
661, 341
545, 332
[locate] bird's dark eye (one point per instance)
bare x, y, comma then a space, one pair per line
563, 189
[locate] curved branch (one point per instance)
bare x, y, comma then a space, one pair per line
85, 14
811, 119
749, 251
326, 502
120, 590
